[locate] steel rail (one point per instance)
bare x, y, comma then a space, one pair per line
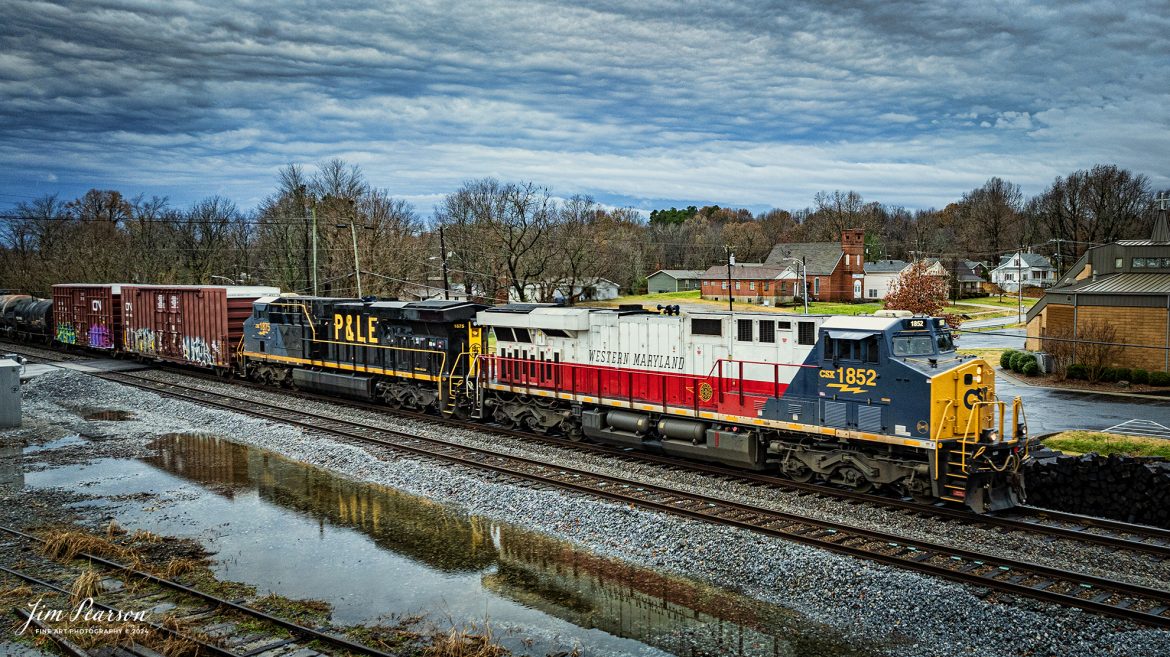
1129, 601
1150, 540
307, 632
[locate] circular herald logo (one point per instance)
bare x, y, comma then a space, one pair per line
706, 392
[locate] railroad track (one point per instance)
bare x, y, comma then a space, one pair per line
194, 622
1100, 595
1114, 535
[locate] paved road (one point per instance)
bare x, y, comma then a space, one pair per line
1001, 339
1059, 410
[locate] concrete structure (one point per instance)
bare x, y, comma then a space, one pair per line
1032, 268
673, 280
1125, 284
834, 271
751, 283
9, 394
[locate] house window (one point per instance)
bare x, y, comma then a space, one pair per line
752, 285
1118, 262
725, 285
1139, 263
766, 285
737, 285
872, 294
816, 287
767, 331
745, 330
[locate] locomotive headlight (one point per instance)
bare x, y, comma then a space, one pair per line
991, 435
979, 374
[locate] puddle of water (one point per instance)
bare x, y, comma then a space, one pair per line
109, 416
65, 441
372, 552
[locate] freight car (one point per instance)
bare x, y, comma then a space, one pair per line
417, 355
197, 325
856, 401
88, 315
25, 318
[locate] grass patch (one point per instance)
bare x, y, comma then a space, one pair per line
989, 354
1081, 442
1007, 301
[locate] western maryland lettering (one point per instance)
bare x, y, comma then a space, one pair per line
655, 361
355, 328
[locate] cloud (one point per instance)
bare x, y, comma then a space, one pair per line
747, 103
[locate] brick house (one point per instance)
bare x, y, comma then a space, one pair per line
834, 271
1124, 283
750, 283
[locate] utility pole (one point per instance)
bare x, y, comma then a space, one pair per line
313, 210
1020, 285
730, 289
443, 253
357, 271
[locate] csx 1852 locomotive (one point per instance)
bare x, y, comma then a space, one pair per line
861, 402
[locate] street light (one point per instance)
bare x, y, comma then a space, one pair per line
225, 278
803, 279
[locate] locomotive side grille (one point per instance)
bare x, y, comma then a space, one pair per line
869, 418
835, 414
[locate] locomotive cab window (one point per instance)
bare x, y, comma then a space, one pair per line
913, 345
946, 341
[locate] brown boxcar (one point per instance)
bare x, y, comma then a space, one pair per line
88, 315
190, 324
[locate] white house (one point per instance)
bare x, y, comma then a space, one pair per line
592, 288
1031, 268
880, 275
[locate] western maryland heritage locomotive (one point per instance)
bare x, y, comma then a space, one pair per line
857, 401
862, 402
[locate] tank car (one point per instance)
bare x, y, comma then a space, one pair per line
857, 401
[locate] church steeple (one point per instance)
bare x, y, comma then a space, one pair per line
1161, 232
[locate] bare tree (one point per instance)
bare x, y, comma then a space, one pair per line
992, 212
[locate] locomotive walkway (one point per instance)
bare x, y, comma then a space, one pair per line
1150, 606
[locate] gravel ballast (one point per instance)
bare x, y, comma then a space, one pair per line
908, 613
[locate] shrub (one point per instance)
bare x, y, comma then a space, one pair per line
1122, 374
1108, 375
1031, 368
1018, 360
1026, 360
1160, 378
1077, 372
1005, 360
1139, 376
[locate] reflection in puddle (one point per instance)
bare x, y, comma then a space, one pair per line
66, 441
109, 416
371, 551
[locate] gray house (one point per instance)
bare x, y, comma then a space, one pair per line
673, 280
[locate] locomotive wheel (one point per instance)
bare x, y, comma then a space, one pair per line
573, 432
802, 477
852, 478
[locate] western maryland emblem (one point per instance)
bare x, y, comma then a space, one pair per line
706, 392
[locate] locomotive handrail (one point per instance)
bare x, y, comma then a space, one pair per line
304, 309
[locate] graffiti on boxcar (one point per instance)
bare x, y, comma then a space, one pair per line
196, 350
66, 334
100, 338
141, 341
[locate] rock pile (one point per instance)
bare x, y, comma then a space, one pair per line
1126, 488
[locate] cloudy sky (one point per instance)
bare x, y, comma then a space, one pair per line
649, 104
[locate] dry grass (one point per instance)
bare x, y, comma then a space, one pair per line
465, 642
180, 566
66, 545
143, 536
113, 530
1082, 442
87, 585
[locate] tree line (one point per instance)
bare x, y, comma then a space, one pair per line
517, 237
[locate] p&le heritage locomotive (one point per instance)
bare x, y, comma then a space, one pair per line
879, 401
